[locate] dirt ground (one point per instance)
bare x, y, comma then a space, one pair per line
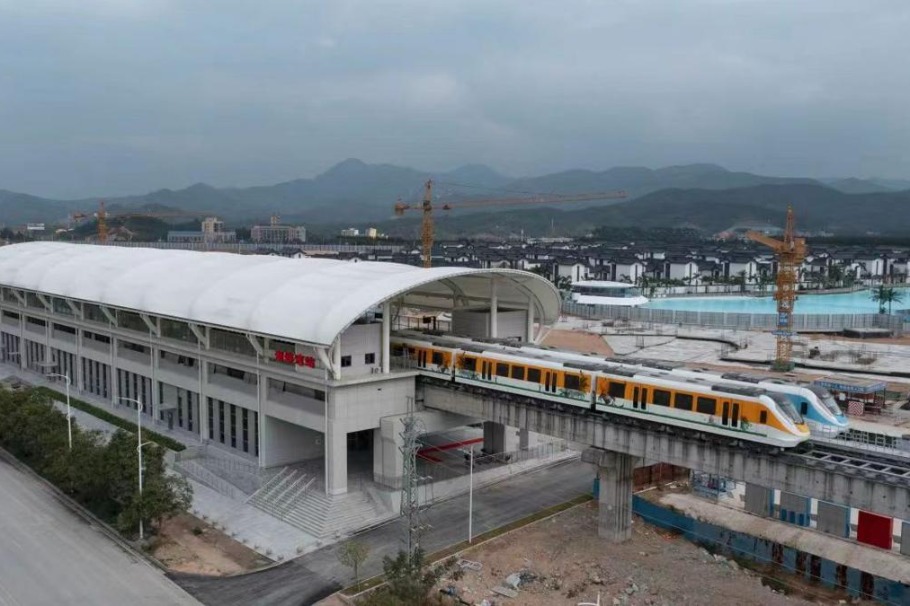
568, 563
576, 340
211, 553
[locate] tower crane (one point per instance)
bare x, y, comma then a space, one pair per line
427, 207
102, 217
790, 253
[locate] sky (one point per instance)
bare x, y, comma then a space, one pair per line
111, 97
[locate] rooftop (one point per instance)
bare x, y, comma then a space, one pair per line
308, 300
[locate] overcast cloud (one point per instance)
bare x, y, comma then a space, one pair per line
123, 96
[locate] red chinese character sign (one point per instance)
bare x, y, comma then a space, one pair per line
289, 357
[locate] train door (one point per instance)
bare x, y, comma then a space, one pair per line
635, 397
487, 371
804, 408
735, 420
422, 358
550, 381
725, 416
643, 400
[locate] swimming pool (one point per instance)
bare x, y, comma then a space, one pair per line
859, 302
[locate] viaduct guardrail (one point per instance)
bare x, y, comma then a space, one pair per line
877, 488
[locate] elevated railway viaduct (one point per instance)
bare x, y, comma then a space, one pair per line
851, 478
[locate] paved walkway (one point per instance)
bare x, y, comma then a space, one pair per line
50, 555
318, 574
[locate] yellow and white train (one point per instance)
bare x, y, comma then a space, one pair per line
717, 408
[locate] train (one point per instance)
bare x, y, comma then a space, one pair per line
816, 404
698, 405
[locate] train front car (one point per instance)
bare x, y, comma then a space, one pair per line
825, 417
740, 413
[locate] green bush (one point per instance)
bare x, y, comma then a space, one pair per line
113, 419
101, 474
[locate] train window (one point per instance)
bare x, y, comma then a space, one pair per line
534, 375
617, 389
572, 382
706, 406
683, 401
661, 397
518, 372
437, 358
763, 417
502, 369
469, 364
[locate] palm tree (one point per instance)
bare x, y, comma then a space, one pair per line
886, 295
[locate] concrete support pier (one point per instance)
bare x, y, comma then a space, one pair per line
498, 438
615, 473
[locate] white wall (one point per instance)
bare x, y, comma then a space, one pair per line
476, 323
284, 443
358, 340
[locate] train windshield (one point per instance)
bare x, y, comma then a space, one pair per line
783, 402
826, 399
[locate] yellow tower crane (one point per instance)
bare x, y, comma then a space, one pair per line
427, 231
790, 253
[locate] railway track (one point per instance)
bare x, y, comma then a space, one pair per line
868, 463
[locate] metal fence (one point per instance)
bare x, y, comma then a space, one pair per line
736, 321
431, 472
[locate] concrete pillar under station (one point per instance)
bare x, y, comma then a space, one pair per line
615, 473
499, 438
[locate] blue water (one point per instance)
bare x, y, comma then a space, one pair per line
859, 302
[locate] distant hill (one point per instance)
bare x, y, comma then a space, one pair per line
359, 194
892, 184
857, 186
817, 208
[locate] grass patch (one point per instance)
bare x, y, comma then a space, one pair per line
113, 419
442, 554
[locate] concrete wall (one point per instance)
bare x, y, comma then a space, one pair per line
357, 341
476, 323
285, 443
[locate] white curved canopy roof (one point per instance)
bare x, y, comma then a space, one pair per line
308, 300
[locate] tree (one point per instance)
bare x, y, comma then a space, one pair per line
886, 295
352, 554
741, 280
408, 581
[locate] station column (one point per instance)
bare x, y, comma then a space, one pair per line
615, 474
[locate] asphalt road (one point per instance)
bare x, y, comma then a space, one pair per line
314, 576
49, 555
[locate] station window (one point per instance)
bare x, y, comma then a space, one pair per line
345, 361
706, 406
502, 370
370, 358
617, 389
661, 397
518, 372
534, 375
683, 401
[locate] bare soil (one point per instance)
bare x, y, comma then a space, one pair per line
565, 562
577, 340
210, 553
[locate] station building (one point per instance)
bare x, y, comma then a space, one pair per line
276, 360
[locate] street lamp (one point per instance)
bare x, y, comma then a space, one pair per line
69, 416
139, 408
66, 376
470, 455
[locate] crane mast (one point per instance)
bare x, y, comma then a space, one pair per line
427, 231
790, 253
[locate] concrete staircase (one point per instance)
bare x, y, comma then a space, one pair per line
194, 470
291, 496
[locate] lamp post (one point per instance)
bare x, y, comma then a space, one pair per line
139, 408
66, 377
470, 454
69, 416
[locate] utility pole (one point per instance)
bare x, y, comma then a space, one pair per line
410, 505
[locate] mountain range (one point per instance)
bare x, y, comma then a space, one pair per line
352, 192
